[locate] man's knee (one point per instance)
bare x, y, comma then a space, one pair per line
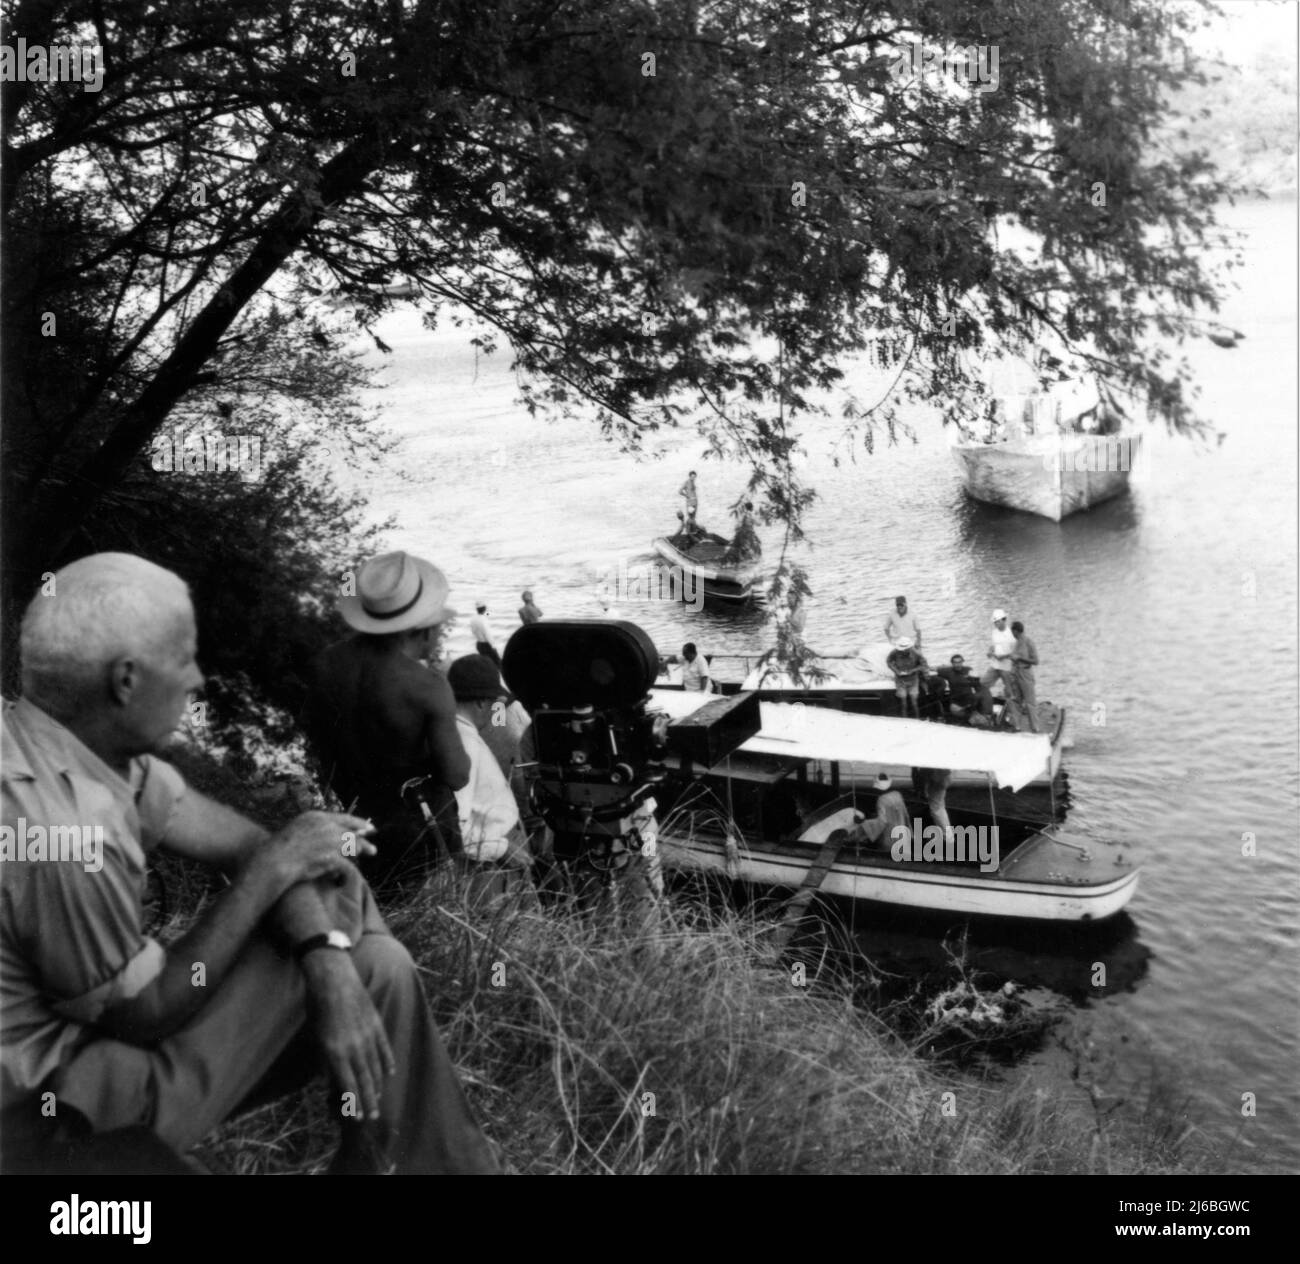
384, 964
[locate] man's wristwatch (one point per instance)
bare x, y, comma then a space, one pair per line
329, 939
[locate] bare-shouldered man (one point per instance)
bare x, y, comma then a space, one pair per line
379, 719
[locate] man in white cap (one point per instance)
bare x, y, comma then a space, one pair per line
1002, 647
379, 720
105, 1030
908, 666
891, 814
482, 633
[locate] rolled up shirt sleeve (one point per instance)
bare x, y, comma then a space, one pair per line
140, 971
83, 935
161, 792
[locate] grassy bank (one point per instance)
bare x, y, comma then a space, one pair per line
692, 1047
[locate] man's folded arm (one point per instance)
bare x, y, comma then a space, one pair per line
265, 880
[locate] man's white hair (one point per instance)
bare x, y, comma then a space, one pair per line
99, 609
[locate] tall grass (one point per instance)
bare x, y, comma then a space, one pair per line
688, 1047
682, 1042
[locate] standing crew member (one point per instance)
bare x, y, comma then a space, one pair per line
1002, 644
1025, 658
901, 623
482, 634
688, 490
908, 667
528, 612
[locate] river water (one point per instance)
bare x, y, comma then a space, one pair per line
1165, 621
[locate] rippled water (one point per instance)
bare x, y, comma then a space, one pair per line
1170, 615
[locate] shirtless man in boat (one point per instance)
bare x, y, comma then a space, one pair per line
688, 490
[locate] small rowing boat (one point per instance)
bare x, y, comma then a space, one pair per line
706, 564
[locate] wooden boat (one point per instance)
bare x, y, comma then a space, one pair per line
701, 560
1053, 475
766, 814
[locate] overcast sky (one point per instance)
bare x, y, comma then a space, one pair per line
1250, 26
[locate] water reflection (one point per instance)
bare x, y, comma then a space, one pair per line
1080, 962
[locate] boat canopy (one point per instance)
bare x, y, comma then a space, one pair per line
804, 732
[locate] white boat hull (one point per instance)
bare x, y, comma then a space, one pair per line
721, 582
1025, 886
1052, 475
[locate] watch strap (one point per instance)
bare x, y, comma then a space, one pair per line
323, 940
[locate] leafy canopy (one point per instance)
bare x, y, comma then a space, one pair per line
671, 209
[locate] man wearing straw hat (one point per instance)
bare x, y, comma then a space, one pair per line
384, 725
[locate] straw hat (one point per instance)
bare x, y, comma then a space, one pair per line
397, 592
882, 782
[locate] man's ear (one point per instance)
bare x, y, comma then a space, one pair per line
123, 680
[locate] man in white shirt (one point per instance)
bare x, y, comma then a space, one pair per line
1002, 646
695, 671
482, 634
491, 831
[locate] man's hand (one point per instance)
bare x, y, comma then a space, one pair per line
314, 845
351, 1034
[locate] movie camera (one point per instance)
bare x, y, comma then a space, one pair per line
600, 751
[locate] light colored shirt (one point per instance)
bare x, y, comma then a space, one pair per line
1001, 643
890, 812
485, 803
71, 928
907, 666
898, 626
479, 630
695, 674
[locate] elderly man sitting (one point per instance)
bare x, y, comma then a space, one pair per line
105, 1029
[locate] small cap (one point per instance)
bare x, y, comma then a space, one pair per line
999, 614
473, 677
904, 643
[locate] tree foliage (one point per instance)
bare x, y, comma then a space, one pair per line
673, 210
